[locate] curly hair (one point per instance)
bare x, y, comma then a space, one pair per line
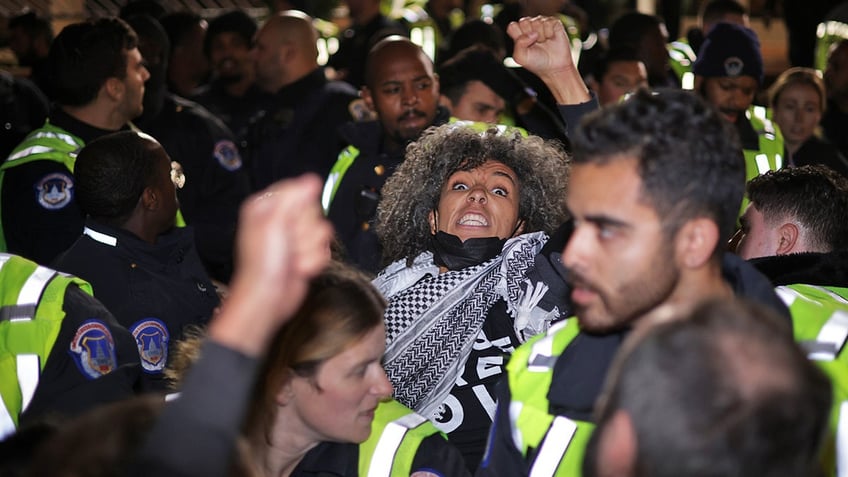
413, 191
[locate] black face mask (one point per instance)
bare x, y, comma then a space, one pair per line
454, 254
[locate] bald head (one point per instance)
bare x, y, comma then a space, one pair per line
285, 49
390, 50
402, 89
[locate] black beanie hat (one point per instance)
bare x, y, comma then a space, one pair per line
730, 50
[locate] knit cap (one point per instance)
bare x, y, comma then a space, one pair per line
730, 50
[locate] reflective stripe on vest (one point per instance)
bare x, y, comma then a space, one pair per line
553, 448
763, 165
389, 443
49, 143
556, 443
31, 315
817, 303
334, 178
28, 366
396, 434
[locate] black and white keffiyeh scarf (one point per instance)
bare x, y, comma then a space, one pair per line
432, 319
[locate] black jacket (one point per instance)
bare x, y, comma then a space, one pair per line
216, 181
580, 371
819, 151
146, 287
32, 230
822, 269
235, 111
354, 206
65, 388
298, 131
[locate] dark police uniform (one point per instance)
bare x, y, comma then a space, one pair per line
556, 417
155, 291
297, 133
216, 181
351, 193
62, 351
40, 215
235, 111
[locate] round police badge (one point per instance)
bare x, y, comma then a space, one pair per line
152, 338
227, 155
733, 66
93, 349
55, 191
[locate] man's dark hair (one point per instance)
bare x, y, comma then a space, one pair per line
475, 32
154, 8
689, 158
235, 21
34, 25
477, 63
713, 10
178, 25
111, 173
724, 391
620, 53
630, 28
815, 195
84, 55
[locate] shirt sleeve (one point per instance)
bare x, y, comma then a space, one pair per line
196, 434
572, 114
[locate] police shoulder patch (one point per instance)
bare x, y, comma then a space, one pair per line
93, 349
152, 338
227, 154
55, 191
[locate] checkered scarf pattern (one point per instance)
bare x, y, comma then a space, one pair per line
432, 325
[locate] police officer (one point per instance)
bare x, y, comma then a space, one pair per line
795, 233
102, 89
544, 420
62, 351
143, 268
728, 73
297, 133
403, 90
204, 147
232, 94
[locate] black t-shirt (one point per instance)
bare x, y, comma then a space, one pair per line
467, 412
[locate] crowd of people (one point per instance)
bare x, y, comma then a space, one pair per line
456, 246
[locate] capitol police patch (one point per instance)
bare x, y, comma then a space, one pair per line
93, 349
227, 155
152, 337
55, 191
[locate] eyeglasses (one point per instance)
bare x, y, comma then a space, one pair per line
177, 175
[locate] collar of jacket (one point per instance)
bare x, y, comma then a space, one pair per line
823, 269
